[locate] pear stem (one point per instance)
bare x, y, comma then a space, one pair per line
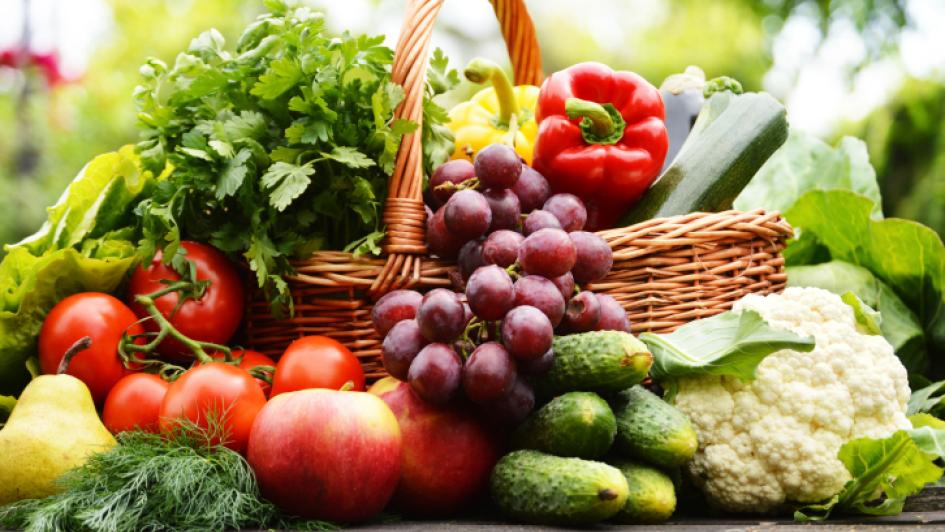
81, 345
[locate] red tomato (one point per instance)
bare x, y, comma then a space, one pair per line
102, 318
135, 402
213, 318
251, 359
221, 390
316, 362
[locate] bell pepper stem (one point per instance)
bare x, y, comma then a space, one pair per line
481, 70
601, 124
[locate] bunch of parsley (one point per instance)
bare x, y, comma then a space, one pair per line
281, 147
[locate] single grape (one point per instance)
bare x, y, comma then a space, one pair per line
467, 215
526, 332
489, 373
489, 292
539, 219
594, 257
436, 373
454, 172
612, 315
531, 188
568, 209
443, 243
470, 258
583, 313
547, 252
501, 248
467, 314
440, 316
401, 346
542, 294
506, 210
565, 284
497, 166
428, 212
393, 307
512, 408
540, 365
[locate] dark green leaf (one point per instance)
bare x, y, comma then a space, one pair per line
288, 182
349, 157
233, 174
282, 75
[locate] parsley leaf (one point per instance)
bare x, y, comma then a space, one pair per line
281, 146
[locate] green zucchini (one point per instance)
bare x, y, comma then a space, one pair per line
733, 136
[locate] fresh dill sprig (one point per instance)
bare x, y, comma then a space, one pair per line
149, 482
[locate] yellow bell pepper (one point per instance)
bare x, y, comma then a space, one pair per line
498, 114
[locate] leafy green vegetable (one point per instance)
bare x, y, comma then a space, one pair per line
727, 344
86, 245
899, 325
884, 472
867, 320
806, 163
906, 255
930, 399
156, 482
6, 406
280, 147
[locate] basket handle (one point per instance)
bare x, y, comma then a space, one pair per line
404, 216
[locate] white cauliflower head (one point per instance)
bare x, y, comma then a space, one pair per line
775, 439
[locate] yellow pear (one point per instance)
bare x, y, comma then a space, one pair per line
53, 428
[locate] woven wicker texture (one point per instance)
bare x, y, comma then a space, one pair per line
669, 271
666, 271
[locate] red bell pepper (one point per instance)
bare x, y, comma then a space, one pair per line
601, 137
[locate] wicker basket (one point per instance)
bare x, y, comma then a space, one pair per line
666, 272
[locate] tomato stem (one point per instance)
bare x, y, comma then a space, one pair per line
165, 328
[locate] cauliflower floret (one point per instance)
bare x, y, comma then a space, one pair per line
776, 438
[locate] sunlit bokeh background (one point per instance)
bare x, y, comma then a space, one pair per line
870, 68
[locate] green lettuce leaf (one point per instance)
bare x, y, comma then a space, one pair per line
806, 163
95, 202
6, 406
899, 325
884, 472
867, 320
727, 344
907, 256
44, 281
87, 244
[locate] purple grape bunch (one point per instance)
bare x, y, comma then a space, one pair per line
523, 263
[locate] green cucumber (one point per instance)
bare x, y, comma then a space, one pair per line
598, 361
732, 138
652, 430
652, 494
539, 488
578, 424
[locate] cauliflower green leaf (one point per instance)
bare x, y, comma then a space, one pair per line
885, 472
728, 344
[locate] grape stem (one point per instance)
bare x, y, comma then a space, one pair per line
471, 184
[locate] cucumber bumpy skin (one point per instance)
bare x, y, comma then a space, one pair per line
653, 430
598, 361
652, 494
576, 424
534, 487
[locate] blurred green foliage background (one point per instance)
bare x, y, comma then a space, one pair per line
46, 137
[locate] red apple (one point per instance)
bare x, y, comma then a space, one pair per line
448, 452
326, 454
